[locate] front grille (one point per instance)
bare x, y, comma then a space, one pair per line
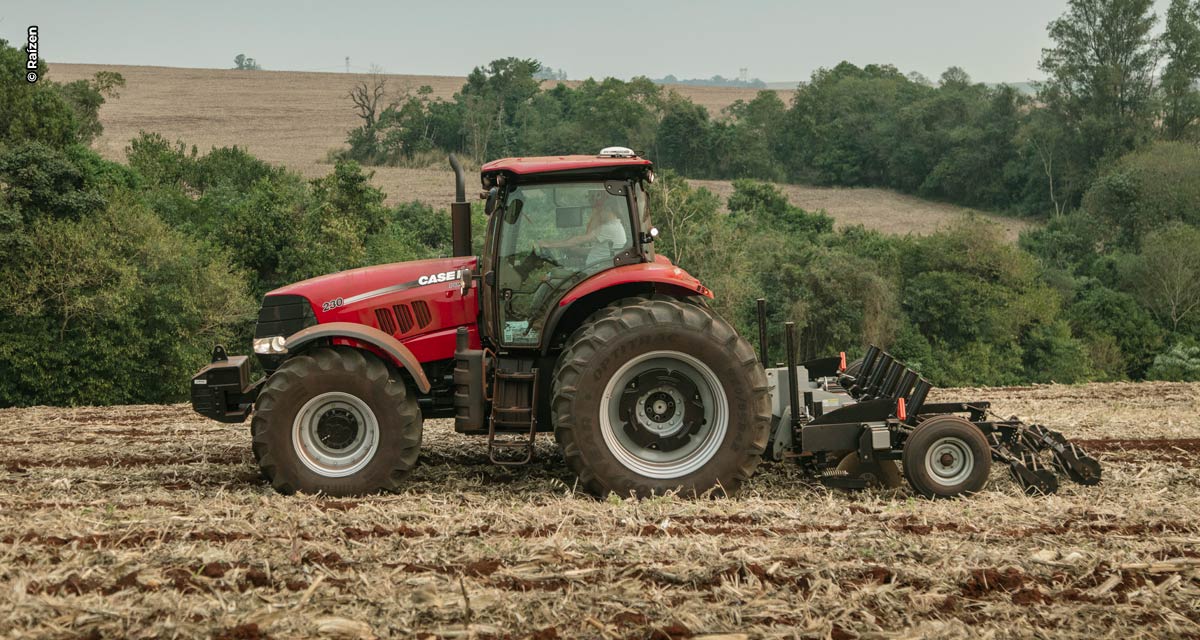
421, 309
383, 316
283, 316
404, 317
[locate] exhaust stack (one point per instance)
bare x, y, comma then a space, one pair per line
460, 213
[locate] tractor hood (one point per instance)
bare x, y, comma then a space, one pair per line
354, 295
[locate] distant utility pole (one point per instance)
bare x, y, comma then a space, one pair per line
347, 64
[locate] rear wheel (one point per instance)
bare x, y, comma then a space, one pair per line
335, 421
654, 395
946, 457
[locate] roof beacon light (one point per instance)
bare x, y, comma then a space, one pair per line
617, 152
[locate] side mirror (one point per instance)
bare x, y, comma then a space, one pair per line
568, 217
493, 197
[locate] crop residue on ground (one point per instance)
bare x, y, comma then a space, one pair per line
151, 521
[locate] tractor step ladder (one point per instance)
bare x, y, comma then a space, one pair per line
513, 424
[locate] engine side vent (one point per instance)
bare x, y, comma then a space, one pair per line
404, 317
421, 309
387, 324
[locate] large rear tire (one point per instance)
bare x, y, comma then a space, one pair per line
335, 421
655, 395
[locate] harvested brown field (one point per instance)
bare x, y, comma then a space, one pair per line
150, 521
295, 118
879, 209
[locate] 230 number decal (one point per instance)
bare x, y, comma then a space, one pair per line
332, 304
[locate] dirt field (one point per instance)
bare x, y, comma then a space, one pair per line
880, 209
150, 521
295, 118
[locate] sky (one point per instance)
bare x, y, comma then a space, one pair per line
776, 40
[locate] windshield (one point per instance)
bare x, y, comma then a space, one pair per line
553, 236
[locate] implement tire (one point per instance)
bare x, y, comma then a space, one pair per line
658, 394
336, 421
946, 457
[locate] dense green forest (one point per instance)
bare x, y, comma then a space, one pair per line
119, 277
1111, 88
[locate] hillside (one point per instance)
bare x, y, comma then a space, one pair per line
295, 118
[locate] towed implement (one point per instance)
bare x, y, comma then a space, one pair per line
566, 321
869, 423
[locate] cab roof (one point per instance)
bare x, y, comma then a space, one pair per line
550, 164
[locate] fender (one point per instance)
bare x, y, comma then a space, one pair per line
660, 272
634, 279
369, 336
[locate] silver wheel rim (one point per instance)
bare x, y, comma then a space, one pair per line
657, 413
335, 434
949, 461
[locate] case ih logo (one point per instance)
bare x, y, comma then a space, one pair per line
434, 278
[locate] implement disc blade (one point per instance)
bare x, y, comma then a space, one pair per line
879, 474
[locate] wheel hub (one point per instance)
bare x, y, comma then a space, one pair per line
337, 428
664, 417
335, 434
949, 461
664, 414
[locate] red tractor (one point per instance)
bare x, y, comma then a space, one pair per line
570, 322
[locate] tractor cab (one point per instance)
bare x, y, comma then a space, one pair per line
553, 223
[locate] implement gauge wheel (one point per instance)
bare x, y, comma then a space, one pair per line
947, 457
659, 394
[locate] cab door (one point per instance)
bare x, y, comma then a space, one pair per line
549, 237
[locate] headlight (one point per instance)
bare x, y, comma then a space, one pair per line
270, 345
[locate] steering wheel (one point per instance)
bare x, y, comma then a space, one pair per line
545, 254
530, 262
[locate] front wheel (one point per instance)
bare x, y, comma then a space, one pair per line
654, 395
335, 421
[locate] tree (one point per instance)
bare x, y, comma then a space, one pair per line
1180, 363
1106, 317
86, 97
491, 99
244, 63
367, 97
685, 216
1148, 189
1166, 276
683, 137
126, 310
1181, 46
32, 112
955, 77
1043, 137
1101, 73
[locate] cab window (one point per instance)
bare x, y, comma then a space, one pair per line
551, 238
